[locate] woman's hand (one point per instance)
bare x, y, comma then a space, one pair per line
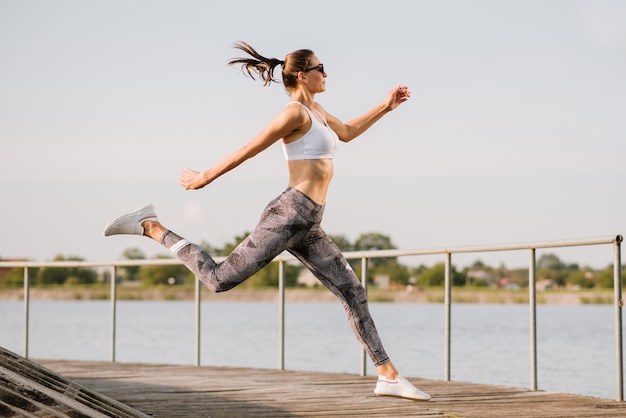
191, 180
397, 96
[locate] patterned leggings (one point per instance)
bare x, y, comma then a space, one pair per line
290, 222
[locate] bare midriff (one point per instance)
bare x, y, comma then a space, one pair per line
311, 177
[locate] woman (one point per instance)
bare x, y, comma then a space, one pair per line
291, 221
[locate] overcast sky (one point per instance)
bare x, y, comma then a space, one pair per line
515, 131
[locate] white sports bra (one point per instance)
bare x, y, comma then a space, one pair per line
319, 142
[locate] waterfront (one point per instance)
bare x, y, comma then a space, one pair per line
129, 291
490, 342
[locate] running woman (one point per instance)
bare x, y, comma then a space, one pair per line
291, 221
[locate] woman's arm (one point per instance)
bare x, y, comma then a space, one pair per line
350, 130
287, 121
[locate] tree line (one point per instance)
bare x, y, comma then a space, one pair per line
551, 271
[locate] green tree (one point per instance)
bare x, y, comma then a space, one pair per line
342, 242
550, 262
478, 274
161, 275
268, 276
398, 273
435, 276
580, 278
519, 276
604, 278
374, 241
65, 275
133, 253
13, 277
478, 265
550, 267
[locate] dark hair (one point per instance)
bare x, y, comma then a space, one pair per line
264, 67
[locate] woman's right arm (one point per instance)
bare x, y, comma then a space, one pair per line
350, 130
287, 121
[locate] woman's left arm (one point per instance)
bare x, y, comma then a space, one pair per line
350, 130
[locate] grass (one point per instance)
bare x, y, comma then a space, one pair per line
596, 300
428, 295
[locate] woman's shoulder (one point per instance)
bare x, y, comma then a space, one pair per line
319, 109
299, 105
297, 110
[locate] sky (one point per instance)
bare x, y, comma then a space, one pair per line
515, 131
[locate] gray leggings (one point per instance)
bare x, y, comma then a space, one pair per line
290, 222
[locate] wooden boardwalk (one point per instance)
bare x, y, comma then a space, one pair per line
172, 391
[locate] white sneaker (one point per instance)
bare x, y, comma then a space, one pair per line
400, 387
130, 223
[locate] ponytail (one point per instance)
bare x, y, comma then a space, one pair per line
264, 67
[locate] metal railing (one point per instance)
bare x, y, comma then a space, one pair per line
365, 256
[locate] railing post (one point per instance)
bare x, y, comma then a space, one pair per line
281, 315
448, 312
364, 278
197, 300
619, 303
532, 303
26, 309
113, 312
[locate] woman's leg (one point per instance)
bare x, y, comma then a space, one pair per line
250, 256
320, 255
327, 263
281, 224
291, 222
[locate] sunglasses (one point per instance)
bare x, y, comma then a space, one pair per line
319, 68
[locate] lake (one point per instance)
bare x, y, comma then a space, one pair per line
490, 343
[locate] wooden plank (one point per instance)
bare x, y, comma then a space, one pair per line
28, 389
187, 391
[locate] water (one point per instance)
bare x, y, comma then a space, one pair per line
490, 343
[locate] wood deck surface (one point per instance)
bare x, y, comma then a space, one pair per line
171, 391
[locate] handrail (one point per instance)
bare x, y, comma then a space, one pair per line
365, 256
348, 254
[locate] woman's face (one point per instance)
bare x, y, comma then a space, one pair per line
315, 75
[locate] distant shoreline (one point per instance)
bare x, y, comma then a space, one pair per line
436, 295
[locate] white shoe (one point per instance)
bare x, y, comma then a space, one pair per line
400, 387
130, 223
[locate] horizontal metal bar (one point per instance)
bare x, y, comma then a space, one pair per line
348, 254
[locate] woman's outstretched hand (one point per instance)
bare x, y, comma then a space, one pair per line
191, 180
397, 96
